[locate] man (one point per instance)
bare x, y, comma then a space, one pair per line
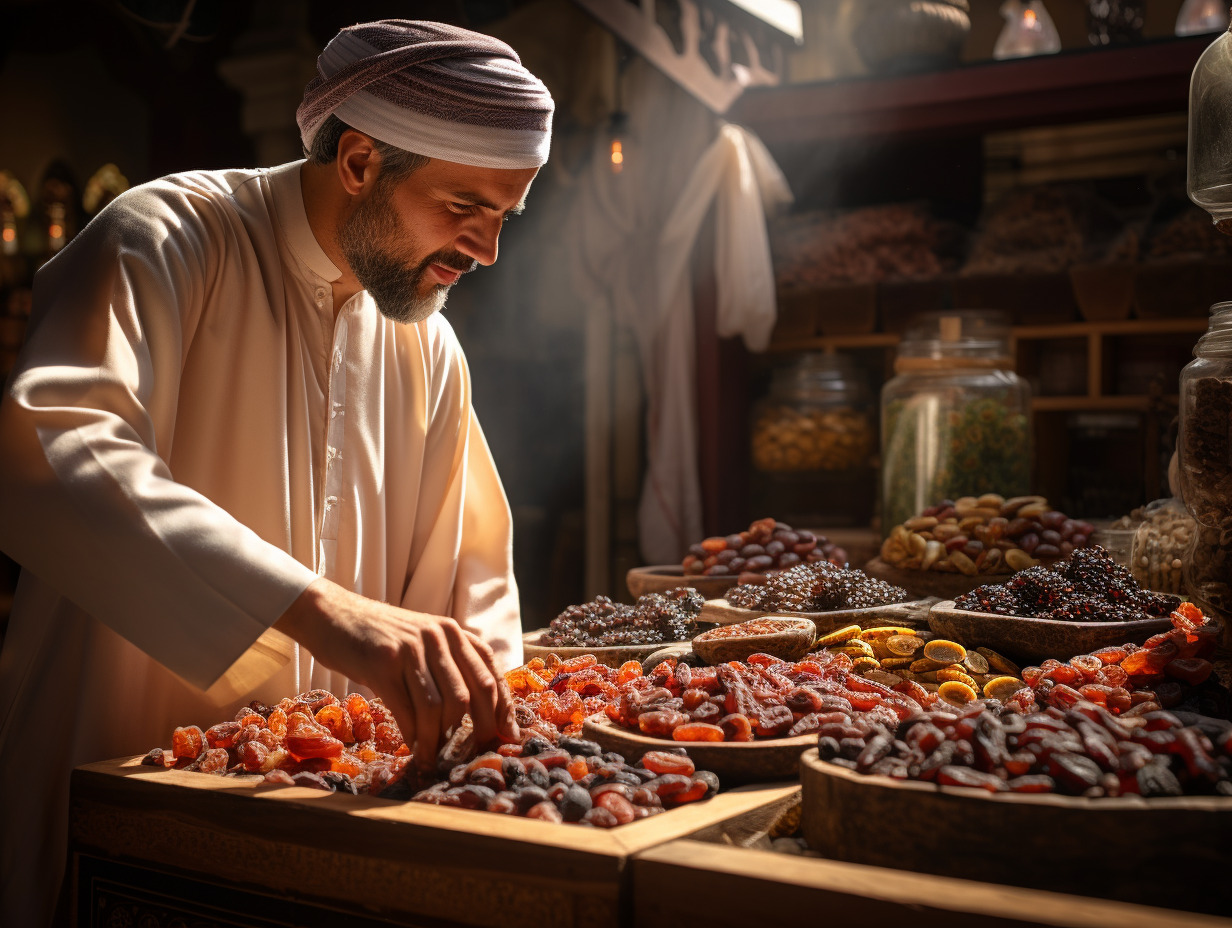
240, 459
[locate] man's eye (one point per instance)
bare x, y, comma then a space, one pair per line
464, 209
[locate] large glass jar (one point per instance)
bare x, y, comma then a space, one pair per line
1210, 141
1205, 459
813, 440
955, 419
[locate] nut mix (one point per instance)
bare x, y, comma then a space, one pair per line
786, 438
1162, 534
764, 547
984, 535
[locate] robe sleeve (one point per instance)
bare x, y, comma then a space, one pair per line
463, 513
89, 504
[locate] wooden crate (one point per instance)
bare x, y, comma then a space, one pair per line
1170, 852
168, 844
703, 883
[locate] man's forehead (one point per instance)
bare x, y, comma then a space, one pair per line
502, 189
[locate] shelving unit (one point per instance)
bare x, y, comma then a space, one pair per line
862, 141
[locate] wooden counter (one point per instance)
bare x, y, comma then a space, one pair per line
168, 844
704, 883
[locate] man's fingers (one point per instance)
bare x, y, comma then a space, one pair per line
441, 666
503, 710
480, 682
427, 702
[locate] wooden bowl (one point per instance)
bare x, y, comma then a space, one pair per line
612, 657
664, 577
923, 583
726, 643
733, 761
1018, 839
912, 614
1037, 639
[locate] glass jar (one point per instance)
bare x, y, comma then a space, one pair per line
813, 444
817, 416
1204, 449
955, 419
1210, 141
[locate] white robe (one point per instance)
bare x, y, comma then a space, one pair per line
189, 439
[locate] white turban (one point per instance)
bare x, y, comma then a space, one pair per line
432, 89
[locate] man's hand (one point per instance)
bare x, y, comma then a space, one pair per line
427, 668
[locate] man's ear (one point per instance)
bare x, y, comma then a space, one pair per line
358, 162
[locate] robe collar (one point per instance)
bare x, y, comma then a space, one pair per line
284, 182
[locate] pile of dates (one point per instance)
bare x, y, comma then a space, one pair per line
764, 697
1082, 750
765, 547
573, 781
1097, 725
984, 535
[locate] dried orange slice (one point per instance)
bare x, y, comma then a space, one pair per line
1000, 663
1002, 687
953, 672
838, 637
957, 693
944, 651
904, 645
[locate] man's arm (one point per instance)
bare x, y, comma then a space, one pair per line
87, 502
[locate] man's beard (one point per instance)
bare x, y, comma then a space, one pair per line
396, 287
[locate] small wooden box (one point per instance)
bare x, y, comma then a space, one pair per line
169, 844
693, 882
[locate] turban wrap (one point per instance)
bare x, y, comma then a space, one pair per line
432, 89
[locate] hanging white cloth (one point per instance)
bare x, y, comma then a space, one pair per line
740, 177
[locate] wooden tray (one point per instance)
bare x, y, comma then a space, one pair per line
1165, 851
924, 583
913, 614
612, 657
664, 577
174, 845
733, 761
1037, 639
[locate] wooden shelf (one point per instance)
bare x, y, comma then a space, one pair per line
1097, 403
1018, 333
982, 97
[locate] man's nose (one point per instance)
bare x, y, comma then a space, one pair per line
479, 240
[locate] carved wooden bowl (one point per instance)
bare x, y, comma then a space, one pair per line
786, 637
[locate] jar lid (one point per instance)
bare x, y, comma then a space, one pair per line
955, 338
821, 375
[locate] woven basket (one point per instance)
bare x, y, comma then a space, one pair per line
902, 36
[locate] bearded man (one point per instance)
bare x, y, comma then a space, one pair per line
240, 458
